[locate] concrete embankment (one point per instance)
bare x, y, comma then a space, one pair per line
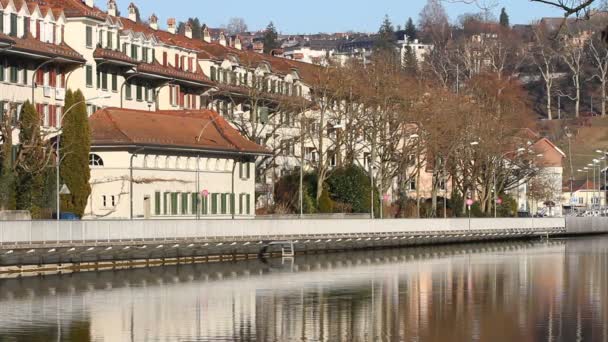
39, 245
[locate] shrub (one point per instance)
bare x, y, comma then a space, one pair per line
350, 185
325, 203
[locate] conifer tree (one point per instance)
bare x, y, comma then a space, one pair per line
386, 36
75, 149
271, 38
410, 30
504, 18
410, 62
32, 163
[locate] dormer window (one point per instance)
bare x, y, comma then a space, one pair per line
109, 42
13, 28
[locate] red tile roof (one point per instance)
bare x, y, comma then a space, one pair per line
113, 55
33, 45
177, 129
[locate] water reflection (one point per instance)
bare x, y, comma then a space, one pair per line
552, 291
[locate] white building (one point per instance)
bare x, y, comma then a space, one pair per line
169, 164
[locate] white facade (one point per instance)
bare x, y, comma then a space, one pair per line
169, 185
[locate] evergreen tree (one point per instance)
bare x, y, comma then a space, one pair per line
271, 38
410, 62
7, 172
31, 167
504, 18
410, 30
75, 149
386, 36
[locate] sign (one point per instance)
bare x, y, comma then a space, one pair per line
386, 198
205, 193
65, 190
499, 200
470, 202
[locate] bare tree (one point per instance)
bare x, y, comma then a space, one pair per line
598, 55
236, 25
572, 53
545, 58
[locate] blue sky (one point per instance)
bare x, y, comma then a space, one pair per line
312, 16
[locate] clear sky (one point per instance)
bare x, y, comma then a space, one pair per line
312, 16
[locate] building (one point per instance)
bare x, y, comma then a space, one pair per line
583, 195
169, 164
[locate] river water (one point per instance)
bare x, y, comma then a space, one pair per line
513, 291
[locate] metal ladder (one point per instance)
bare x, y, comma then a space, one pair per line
287, 249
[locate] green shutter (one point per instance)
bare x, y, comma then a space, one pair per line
263, 115
248, 170
166, 203
114, 82
232, 202
13, 31
157, 203
224, 201
98, 79
174, 203
2, 21
89, 33
25, 77
104, 80
109, 42
241, 204
184, 203
241, 170
248, 204
214, 204
194, 204
128, 91
89, 76
138, 92
1, 65
205, 205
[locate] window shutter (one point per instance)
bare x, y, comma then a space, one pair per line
194, 204
240, 170
232, 201
174, 203
241, 204
214, 204
248, 166
157, 203
248, 204
128, 91
263, 115
205, 205
165, 58
223, 204
166, 203
89, 33
184, 203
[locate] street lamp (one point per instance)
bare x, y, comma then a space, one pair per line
58, 148
586, 171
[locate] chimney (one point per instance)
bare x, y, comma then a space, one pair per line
206, 35
237, 43
89, 3
188, 30
133, 12
171, 25
222, 39
153, 22
112, 10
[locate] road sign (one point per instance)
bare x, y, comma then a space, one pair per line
470, 202
385, 197
205, 193
499, 200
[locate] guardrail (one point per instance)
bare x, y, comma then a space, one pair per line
50, 232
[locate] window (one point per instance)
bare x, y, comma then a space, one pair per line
241, 205
412, 185
174, 203
128, 92
157, 203
224, 203
13, 74
166, 203
89, 38
134, 51
214, 204
2, 21
213, 76
139, 93
104, 80
204, 205
2, 78
13, 31
113, 201
184, 203
244, 170
114, 82
100, 40
144, 54
194, 203
95, 160
89, 71
109, 42
24, 75
104, 202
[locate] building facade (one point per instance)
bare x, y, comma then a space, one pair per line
168, 165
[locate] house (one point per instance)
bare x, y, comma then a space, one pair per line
168, 165
583, 195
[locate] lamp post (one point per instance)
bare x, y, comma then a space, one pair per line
58, 149
131, 181
604, 154
586, 171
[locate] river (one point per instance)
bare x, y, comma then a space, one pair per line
553, 290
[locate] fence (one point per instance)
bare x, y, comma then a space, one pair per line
43, 232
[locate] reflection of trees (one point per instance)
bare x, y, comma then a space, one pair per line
487, 292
